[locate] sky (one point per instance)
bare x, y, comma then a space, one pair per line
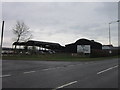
62, 22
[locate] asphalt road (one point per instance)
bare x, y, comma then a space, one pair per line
59, 74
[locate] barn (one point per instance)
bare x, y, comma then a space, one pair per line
39, 46
72, 48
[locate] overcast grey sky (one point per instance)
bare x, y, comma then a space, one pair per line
62, 22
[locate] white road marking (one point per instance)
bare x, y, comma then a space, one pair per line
1, 76
58, 67
70, 65
52, 68
65, 85
45, 69
48, 69
107, 69
29, 72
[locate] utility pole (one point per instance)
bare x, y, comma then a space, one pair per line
1, 53
1, 40
2, 33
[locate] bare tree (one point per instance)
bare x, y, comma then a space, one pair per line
22, 32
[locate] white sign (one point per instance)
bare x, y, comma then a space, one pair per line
83, 48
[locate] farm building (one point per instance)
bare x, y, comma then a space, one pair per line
107, 47
39, 46
72, 48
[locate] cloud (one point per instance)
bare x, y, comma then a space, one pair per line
62, 22
60, 0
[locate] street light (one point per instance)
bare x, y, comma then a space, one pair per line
110, 35
109, 31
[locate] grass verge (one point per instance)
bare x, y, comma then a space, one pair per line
53, 57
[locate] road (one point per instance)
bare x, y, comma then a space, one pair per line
59, 74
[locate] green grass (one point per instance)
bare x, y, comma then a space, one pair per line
54, 57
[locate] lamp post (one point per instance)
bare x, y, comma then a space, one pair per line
110, 33
109, 30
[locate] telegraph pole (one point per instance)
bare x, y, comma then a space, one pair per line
1, 54
2, 33
1, 40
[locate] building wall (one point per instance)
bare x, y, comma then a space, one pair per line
72, 48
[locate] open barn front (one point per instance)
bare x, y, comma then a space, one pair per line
37, 47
